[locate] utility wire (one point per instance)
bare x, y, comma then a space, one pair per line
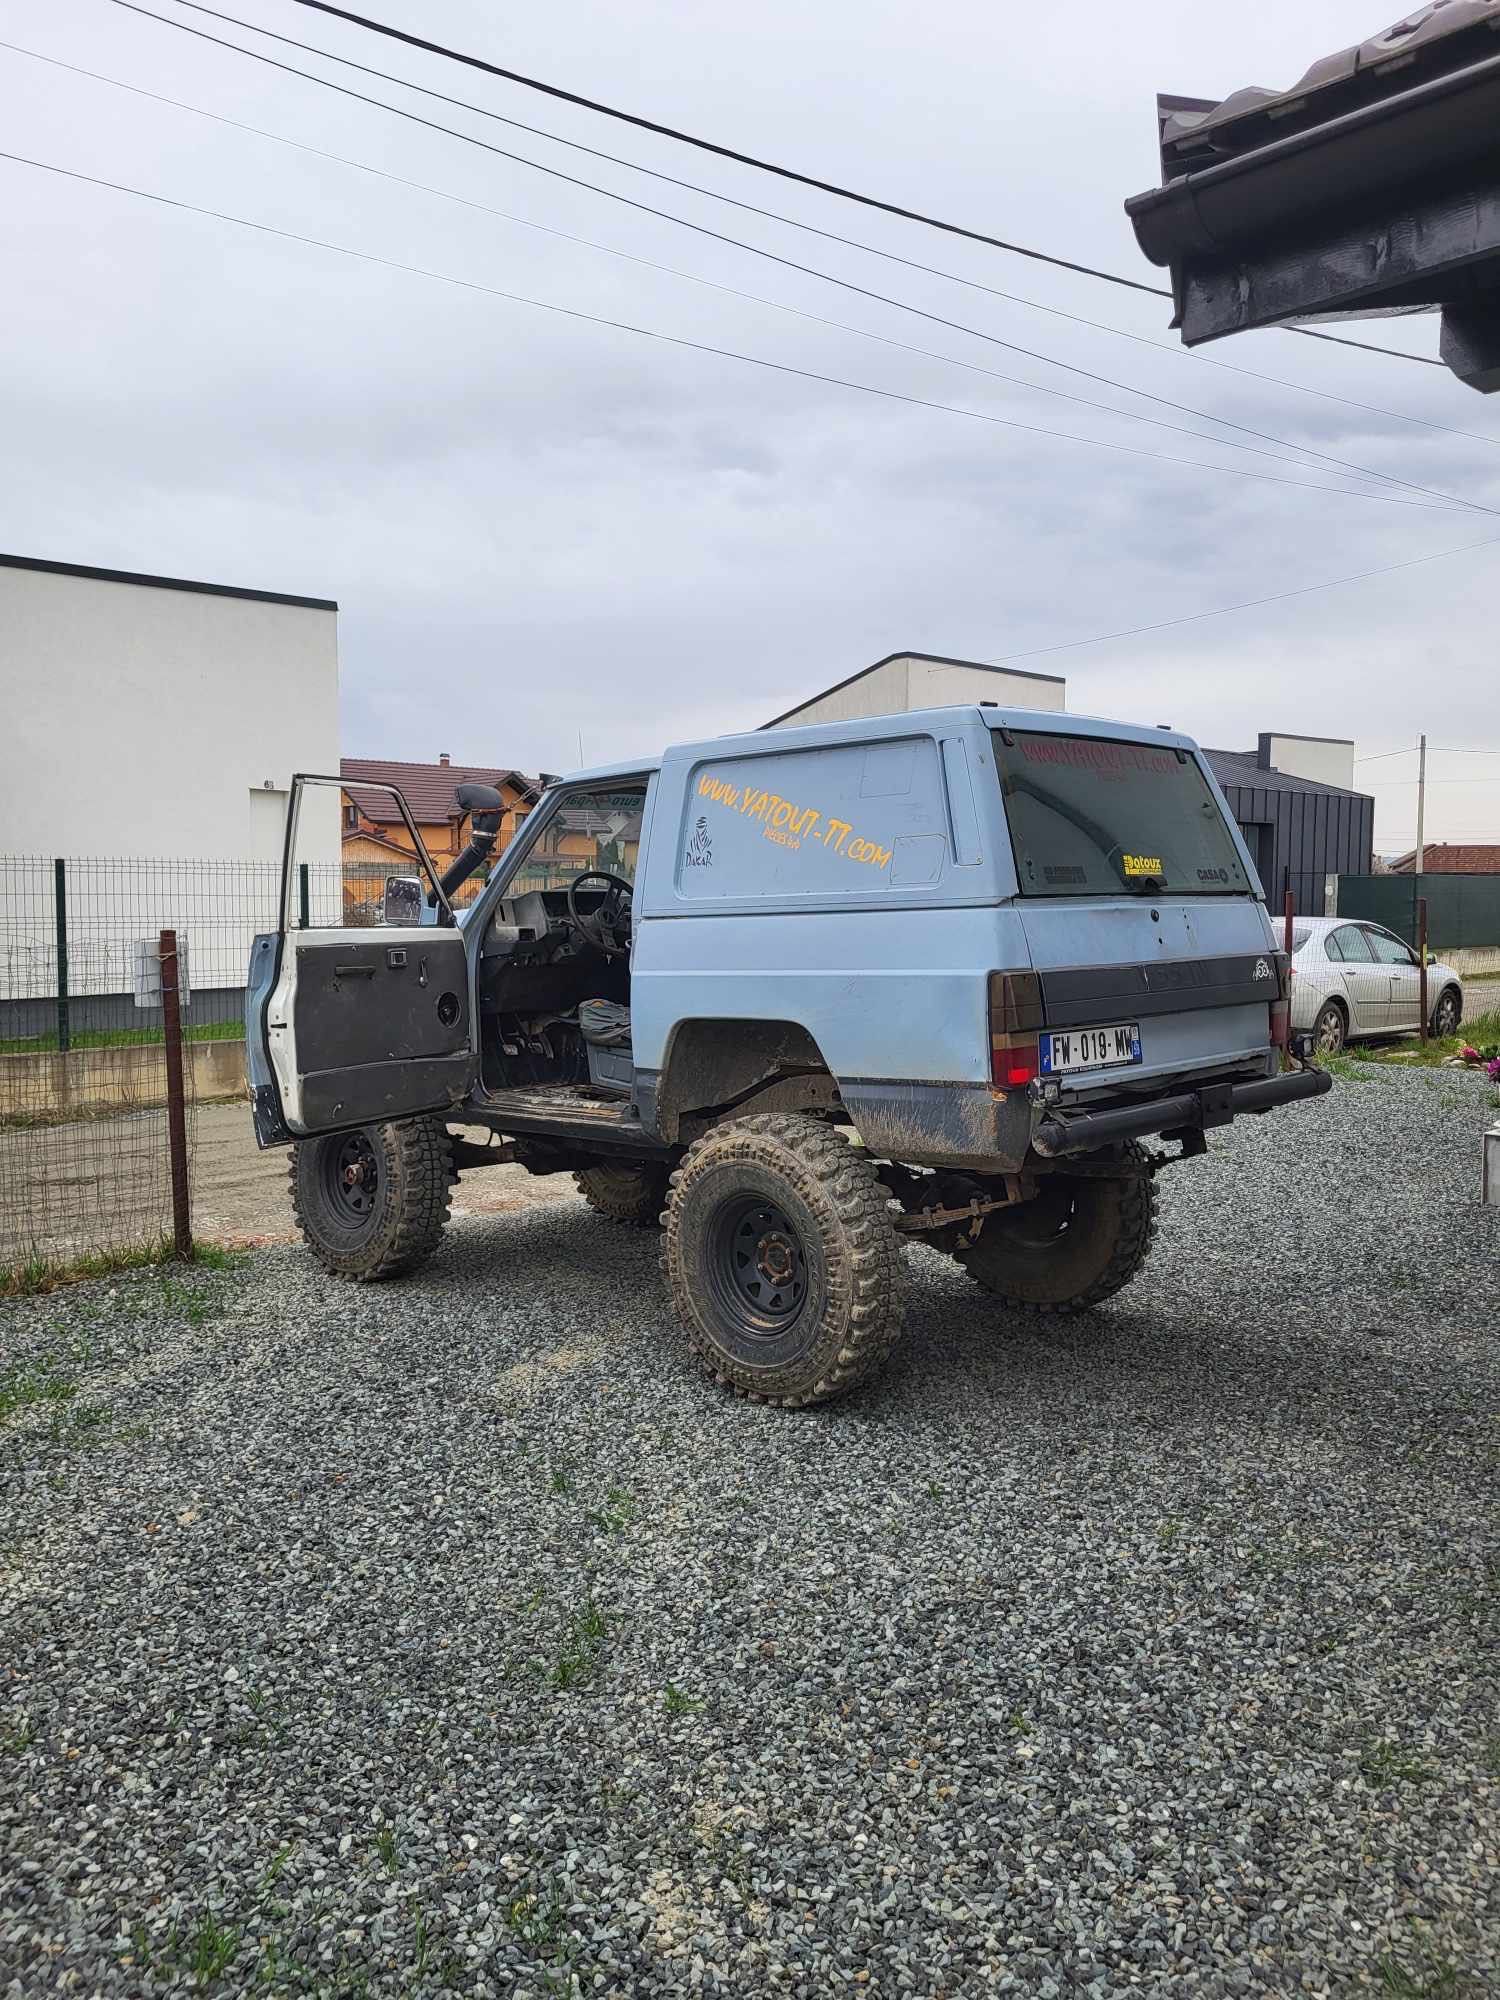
1405, 751
1250, 604
812, 229
648, 263
808, 270
694, 346
791, 173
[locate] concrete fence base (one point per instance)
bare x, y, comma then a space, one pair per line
49, 1085
1473, 963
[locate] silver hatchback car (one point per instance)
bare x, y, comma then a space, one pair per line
1352, 981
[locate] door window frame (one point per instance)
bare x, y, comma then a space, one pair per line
300, 779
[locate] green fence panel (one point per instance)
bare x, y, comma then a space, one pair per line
1463, 911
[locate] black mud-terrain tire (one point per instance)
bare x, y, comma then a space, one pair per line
631, 1192
772, 1197
411, 1167
1076, 1244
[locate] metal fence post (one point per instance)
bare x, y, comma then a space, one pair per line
1422, 959
304, 898
171, 1015
60, 910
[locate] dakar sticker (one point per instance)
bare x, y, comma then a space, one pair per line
1141, 864
700, 850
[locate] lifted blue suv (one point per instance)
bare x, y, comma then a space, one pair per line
798, 995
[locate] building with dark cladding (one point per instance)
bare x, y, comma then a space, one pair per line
1300, 830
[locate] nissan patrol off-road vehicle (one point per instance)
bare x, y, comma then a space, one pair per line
798, 995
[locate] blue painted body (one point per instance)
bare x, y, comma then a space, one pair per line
858, 881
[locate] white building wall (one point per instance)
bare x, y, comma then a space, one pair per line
912, 680
1326, 760
940, 683
143, 722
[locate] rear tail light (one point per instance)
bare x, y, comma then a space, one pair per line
1015, 1017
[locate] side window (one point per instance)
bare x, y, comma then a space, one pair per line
848, 820
1388, 950
1349, 945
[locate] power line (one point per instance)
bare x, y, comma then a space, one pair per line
647, 263
808, 228
1406, 750
1249, 604
631, 257
791, 173
678, 340
808, 270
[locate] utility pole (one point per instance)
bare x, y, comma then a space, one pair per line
1421, 800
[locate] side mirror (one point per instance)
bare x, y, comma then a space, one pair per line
403, 901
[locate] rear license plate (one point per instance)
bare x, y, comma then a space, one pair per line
1090, 1048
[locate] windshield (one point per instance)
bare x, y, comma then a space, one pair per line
1089, 817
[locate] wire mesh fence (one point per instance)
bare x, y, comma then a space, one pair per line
84, 1162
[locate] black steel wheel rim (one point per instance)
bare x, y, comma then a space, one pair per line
351, 1178
759, 1267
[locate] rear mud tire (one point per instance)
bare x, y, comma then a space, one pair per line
630, 1194
393, 1220
782, 1261
1078, 1243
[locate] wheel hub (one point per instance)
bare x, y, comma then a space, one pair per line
353, 1177
760, 1266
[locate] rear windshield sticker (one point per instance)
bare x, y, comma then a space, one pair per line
1142, 864
1059, 874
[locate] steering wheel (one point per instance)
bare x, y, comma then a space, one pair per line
608, 927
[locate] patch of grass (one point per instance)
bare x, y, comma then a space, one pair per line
121, 1038
386, 1848
617, 1514
675, 1702
1349, 1068
1479, 1031
583, 1643
1434, 1979
18, 1735
537, 1914
30, 1383
558, 1483
1382, 1762
46, 1274
1017, 1723
212, 1949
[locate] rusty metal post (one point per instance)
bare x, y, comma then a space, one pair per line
171, 1018
1290, 912
1422, 959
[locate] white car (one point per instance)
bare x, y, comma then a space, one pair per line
1352, 981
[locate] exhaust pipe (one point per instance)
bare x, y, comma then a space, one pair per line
486, 806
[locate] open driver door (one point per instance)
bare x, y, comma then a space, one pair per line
354, 1024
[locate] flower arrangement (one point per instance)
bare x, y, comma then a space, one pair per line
1486, 1058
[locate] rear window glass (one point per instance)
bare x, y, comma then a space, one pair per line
1089, 817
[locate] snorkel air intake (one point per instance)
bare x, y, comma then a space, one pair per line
486, 806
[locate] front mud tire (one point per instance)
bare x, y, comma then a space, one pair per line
781, 1259
373, 1203
631, 1194
1078, 1243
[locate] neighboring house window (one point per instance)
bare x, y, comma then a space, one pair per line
351, 815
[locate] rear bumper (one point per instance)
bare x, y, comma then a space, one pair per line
1187, 1111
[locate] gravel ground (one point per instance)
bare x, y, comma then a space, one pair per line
456, 1635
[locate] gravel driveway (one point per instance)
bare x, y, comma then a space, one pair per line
456, 1635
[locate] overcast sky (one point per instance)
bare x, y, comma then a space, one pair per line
540, 530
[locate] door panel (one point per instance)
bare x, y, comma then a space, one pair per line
368, 1025
1367, 986
1404, 993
